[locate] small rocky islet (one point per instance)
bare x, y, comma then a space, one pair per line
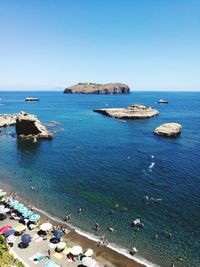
97, 88
27, 126
134, 111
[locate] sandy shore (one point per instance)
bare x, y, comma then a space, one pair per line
103, 254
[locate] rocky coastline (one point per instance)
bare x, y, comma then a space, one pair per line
96, 88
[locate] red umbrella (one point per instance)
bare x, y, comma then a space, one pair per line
5, 229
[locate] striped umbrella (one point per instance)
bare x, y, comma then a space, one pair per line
27, 213
34, 217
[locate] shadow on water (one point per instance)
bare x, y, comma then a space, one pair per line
27, 148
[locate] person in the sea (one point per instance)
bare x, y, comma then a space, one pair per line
96, 226
111, 229
133, 251
79, 210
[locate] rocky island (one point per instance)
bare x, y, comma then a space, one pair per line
96, 88
134, 111
169, 129
27, 125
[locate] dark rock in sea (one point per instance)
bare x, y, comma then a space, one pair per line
132, 112
28, 126
169, 129
95, 88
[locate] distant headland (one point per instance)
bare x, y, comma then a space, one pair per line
97, 88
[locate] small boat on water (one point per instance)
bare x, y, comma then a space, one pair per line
31, 99
162, 101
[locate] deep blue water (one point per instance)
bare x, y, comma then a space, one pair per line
95, 162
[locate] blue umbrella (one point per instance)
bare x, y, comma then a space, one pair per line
34, 217
26, 238
18, 206
58, 234
27, 213
9, 232
13, 202
22, 209
51, 264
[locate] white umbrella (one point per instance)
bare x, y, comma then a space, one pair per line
61, 245
89, 252
89, 262
2, 194
46, 226
11, 239
5, 210
76, 250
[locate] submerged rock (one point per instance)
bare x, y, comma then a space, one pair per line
168, 129
28, 126
132, 112
96, 88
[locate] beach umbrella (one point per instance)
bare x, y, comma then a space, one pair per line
11, 239
22, 209
18, 206
51, 264
89, 252
2, 207
27, 213
13, 202
2, 193
76, 250
46, 226
5, 210
89, 262
61, 245
1, 190
57, 234
26, 238
9, 232
20, 228
34, 217
4, 229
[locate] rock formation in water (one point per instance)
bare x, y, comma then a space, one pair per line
168, 129
26, 125
132, 112
7, 119
95, 88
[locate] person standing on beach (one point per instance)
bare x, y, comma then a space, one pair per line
49, 253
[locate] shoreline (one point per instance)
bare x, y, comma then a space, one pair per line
111, 254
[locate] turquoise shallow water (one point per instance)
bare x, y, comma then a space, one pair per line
95, 162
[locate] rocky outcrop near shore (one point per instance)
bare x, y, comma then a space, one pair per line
96, 88
7, 119
169, 129
132, 112
27, 125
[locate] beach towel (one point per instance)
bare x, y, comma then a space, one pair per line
37, 258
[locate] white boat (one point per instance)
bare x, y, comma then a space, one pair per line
162, 101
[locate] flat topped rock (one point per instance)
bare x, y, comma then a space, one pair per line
96, 88
132, 112
168, 129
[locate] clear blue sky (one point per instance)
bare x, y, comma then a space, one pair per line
148, 44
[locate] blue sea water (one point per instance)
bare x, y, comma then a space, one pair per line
102, 165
